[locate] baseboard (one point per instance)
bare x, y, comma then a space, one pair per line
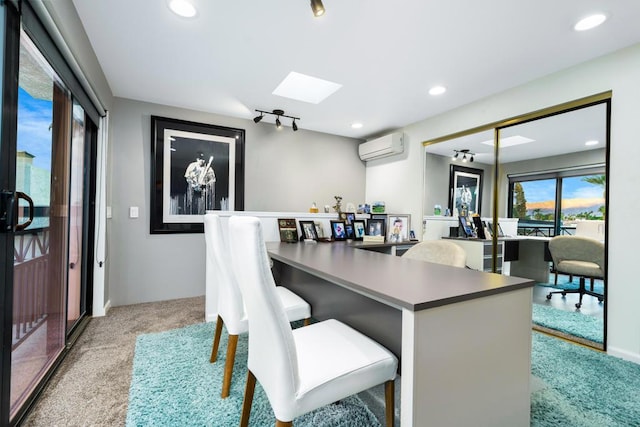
101, 311
623, 354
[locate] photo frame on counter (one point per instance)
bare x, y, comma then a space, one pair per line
359, 229
349, 217
195, 167
308, 230
398, 227
376, 227
338, 231
288, 230
350, 233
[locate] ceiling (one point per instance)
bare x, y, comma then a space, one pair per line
551, 136
230, 57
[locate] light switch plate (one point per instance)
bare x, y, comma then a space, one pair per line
133, 212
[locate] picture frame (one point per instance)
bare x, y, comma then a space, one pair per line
338, 231
319, 229
288, 230
466, 227
350, 217
376, 227
195, 168
308, 230
465, 190
350, 233
359, 229
398, 228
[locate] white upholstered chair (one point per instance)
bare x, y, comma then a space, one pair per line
231, 311
307, 368
578, 256
439, 252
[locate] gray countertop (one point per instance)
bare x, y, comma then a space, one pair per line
395, 281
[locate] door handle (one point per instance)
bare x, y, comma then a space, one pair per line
7, 210
23, 196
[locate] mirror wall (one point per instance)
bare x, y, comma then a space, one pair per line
546, 178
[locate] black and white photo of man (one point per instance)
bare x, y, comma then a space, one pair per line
201, 185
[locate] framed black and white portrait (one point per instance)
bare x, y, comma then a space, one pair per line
195, 168
465, 190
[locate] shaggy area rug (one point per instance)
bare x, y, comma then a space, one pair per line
569, 322
584, 387
173, 384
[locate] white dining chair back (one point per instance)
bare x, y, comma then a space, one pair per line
303, 369
439, 252
231, 307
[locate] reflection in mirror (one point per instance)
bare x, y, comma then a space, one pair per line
554, 170
551, 182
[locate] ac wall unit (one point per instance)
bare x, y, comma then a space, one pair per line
378, 148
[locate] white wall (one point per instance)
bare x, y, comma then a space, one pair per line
398, 181
284, 171
617, 72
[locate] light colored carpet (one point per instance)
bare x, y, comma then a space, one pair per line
91, 386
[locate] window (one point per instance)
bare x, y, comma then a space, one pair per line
551, 203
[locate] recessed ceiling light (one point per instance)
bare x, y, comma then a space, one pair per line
510, 141
592, 142
590, 22
356, 125
182, 8
305, 88
437, 90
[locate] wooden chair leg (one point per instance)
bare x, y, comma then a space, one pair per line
228, 366
248, 399
284, 423
389, 396
307, 321
216, 340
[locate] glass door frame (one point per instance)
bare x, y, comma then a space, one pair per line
13, 15
497, 126
8, 134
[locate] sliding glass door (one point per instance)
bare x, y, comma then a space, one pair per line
47, 161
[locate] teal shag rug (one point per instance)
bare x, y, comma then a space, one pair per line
566, 284
584, 387
173, 384
569, 322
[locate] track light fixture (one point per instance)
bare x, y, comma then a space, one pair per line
467, 156
317, 7
278, 114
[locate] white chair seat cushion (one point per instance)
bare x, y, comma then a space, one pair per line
580, 268
296, 307
336, 361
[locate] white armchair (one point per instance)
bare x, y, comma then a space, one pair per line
578, 256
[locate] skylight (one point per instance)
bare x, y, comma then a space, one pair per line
510, 141
305, 88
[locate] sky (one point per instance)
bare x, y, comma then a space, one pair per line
34, 136
537, 192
